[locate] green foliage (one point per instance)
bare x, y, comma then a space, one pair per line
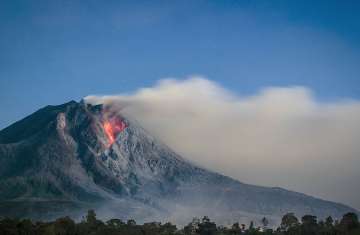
290, 225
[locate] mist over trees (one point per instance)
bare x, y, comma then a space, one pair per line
90, 225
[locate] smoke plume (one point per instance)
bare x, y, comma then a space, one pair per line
280, 136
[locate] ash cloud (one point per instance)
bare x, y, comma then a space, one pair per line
280, 136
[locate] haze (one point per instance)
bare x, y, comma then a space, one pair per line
280, 136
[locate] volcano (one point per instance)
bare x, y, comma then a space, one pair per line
65, 159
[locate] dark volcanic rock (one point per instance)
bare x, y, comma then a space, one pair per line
65, 159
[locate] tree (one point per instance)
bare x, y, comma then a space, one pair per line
64, 226
152, 228
192, 227
205, 219
91, 224
251, 230
264, 222
235, 226
25, 226
115, 223
168, 228
327, 226
289, 221
251, 226
309, 220
91, 217
206, 227
329, 222
131, 222
309, 225
349, 222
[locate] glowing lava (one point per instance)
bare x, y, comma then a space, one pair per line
112, 128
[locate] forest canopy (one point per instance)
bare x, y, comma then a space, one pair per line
90, 225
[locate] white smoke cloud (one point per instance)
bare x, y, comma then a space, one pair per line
277, 137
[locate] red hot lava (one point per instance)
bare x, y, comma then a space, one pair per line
112, 128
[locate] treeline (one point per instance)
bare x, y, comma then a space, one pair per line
90, 225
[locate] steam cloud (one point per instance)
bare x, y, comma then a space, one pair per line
277, 137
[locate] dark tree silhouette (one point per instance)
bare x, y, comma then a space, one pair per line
289, 222
309, 225
264, 222
349, 225
206, 227
349, 222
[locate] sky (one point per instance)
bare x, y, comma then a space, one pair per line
55, 51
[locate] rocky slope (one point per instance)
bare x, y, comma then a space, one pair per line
68, 158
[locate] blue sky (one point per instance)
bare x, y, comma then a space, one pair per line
55, 51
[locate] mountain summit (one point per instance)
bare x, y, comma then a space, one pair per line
65, 159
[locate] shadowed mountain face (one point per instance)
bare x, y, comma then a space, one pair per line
65, 159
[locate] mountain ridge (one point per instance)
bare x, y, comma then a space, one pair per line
63, 153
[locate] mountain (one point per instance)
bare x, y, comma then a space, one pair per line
65, 159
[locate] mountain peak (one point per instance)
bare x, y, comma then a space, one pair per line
91, 156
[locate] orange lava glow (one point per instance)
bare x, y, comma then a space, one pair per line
112, 128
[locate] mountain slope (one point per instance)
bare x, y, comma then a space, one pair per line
67, 158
